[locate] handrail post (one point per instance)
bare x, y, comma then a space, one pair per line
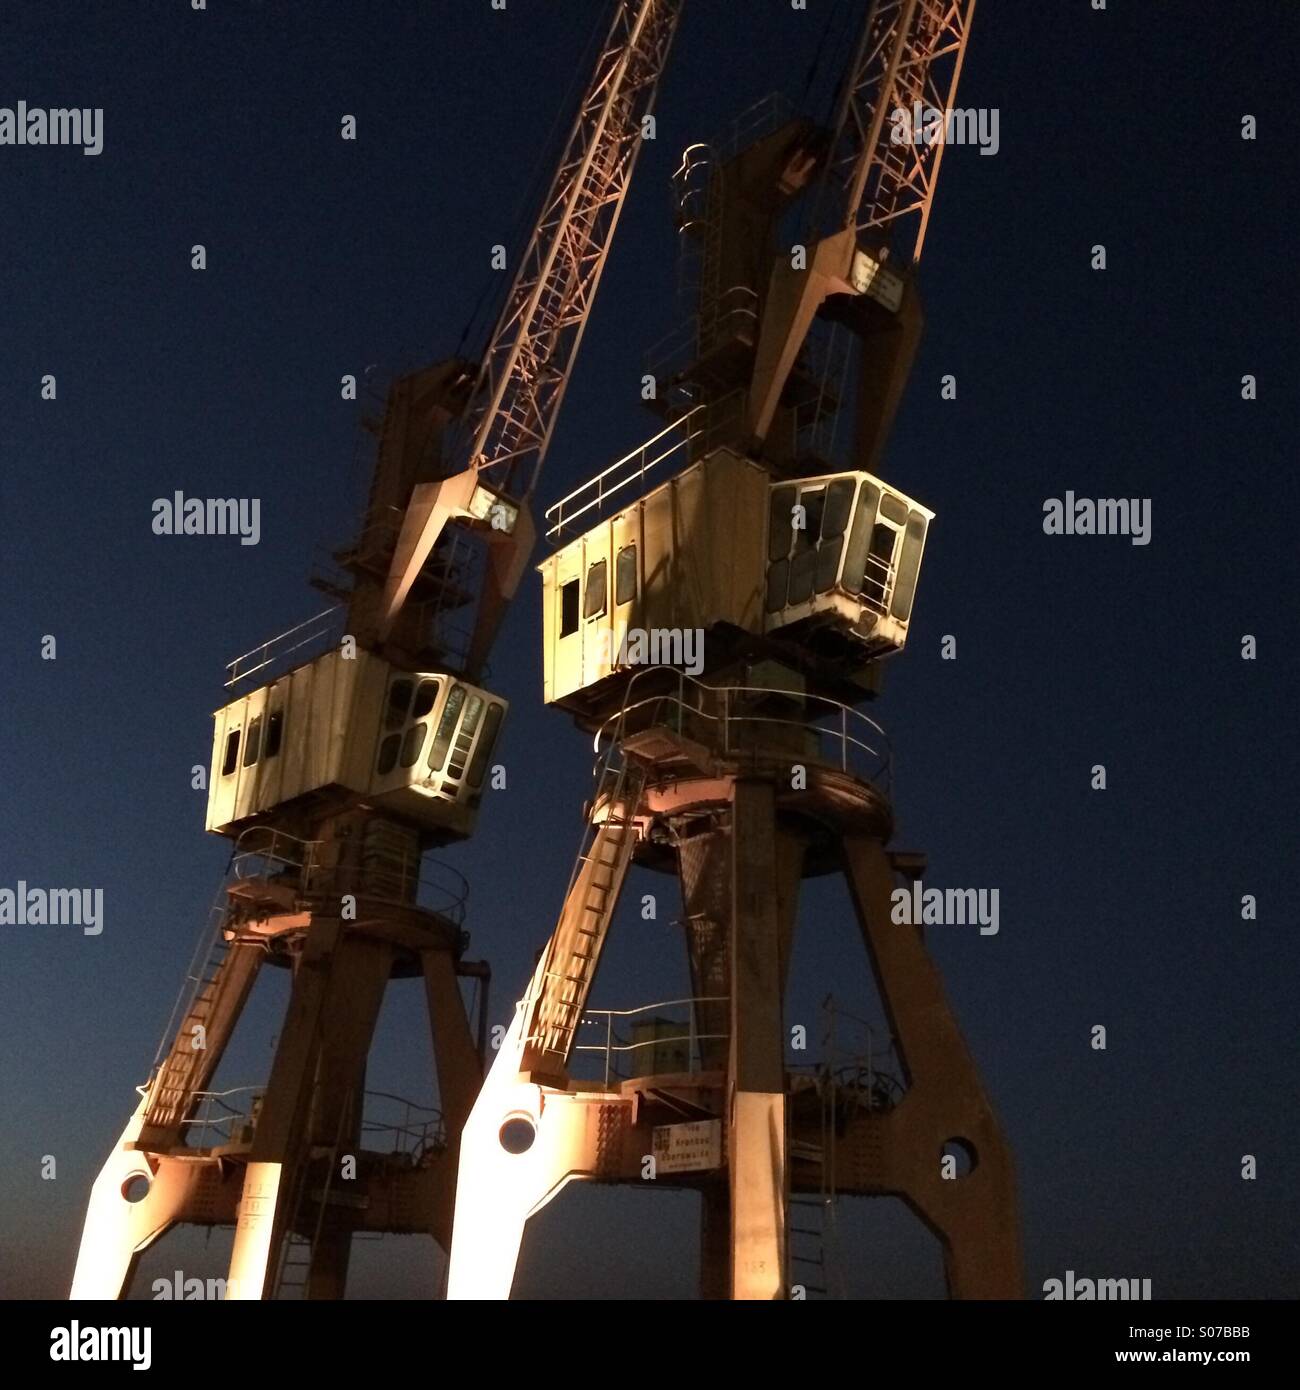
609, 1038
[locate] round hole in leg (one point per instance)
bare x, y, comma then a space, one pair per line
517, 1133
136, 1187
958, 1158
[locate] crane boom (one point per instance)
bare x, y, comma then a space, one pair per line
498, 446
871, 205
528, 360
909, 55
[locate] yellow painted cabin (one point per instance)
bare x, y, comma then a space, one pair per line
719, 544
414, 742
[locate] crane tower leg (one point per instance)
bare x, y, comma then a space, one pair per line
117, 1230
973, 1215
341, 977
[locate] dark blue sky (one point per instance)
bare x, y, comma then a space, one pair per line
1119, 907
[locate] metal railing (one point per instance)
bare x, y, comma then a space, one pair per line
420, 1129
729, 315
616, 1044
719, 715
316, 633
413, 1130
700, 423
264, 854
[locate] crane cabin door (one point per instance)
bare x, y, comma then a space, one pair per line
884, 549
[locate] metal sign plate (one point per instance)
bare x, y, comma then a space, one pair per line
688, 1148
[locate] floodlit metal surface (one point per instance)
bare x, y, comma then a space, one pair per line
503, 433
416, 743
359, 759
798, 573
718, 544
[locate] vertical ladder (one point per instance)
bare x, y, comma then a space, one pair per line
807, 1219
296, 1250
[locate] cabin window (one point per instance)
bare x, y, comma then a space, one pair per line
855, 558
446, 727
569, 608
778, 576
893, 508
478, 765
274, 731
412, 744
908, 565
779, 521
253, 743
399, 701
806, 536
832, 547
425, 695
231, 759
388, 754
839, 503
625, 575
464, 737
594, 600
835, 520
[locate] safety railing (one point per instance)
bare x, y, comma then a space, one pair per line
728, 315
413, 1131
860, 1066
877, 583
218, 1119
266, 855
304, 640
406, 1127
761, 119
696, 427
621, 1055
725, 718
691, 186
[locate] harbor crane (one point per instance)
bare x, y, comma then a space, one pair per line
778, 543
352, 754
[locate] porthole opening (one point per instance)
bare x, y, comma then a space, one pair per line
959, 1159
517, 1134
136, 1188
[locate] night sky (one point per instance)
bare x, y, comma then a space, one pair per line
1119, 907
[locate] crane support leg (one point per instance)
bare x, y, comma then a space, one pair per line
460, 1074
756, 1147
340, 977
118, 1230
521, 1145
974, 1216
